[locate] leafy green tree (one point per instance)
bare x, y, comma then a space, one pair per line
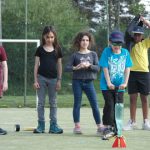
60, 13
66, 19
94, 10
136, 9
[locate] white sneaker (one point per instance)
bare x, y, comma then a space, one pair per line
130, 126
146, 125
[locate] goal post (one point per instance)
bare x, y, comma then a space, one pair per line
37, 41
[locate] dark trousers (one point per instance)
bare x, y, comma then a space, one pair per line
109, 106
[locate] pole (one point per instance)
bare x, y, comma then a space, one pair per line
107, 8
0, 21
25, 56
118, 14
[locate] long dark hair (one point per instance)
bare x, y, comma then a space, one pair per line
56, 45
78, 38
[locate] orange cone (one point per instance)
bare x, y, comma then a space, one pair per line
119, 143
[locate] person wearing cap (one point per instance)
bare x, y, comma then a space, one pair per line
115, 62
139, 80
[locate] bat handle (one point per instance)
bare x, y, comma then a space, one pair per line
116, 94
116, 88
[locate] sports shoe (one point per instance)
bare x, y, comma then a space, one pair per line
100, 131
40, 128
146, 125
55, 129
2, 132
130, 126
108, 133
77, 130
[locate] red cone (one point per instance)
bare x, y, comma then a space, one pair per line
122, 142
119, 143
116, 142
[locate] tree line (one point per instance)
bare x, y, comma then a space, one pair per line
68, 17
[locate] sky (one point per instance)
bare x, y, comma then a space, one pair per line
147, 4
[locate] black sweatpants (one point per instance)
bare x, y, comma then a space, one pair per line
109, 106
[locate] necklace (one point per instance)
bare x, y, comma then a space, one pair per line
48, 48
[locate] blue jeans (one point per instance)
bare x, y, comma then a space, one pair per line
87, 86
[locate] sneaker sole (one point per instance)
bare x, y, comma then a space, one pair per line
3, 133
52, 132
108, 138
37, 132
77, 132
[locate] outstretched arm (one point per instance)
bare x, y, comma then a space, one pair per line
145, 22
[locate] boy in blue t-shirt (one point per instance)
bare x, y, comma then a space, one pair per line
115, 62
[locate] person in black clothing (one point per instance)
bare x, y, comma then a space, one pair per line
47, 76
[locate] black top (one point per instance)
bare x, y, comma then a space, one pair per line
48, 62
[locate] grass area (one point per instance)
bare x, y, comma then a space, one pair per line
65, 96
64, 101
26, 140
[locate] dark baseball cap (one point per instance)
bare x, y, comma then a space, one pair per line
138, 29
116, 36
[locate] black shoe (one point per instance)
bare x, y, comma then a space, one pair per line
2, 132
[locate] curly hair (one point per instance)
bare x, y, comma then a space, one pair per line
78, 38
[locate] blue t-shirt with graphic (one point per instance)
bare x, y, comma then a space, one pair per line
116, 64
